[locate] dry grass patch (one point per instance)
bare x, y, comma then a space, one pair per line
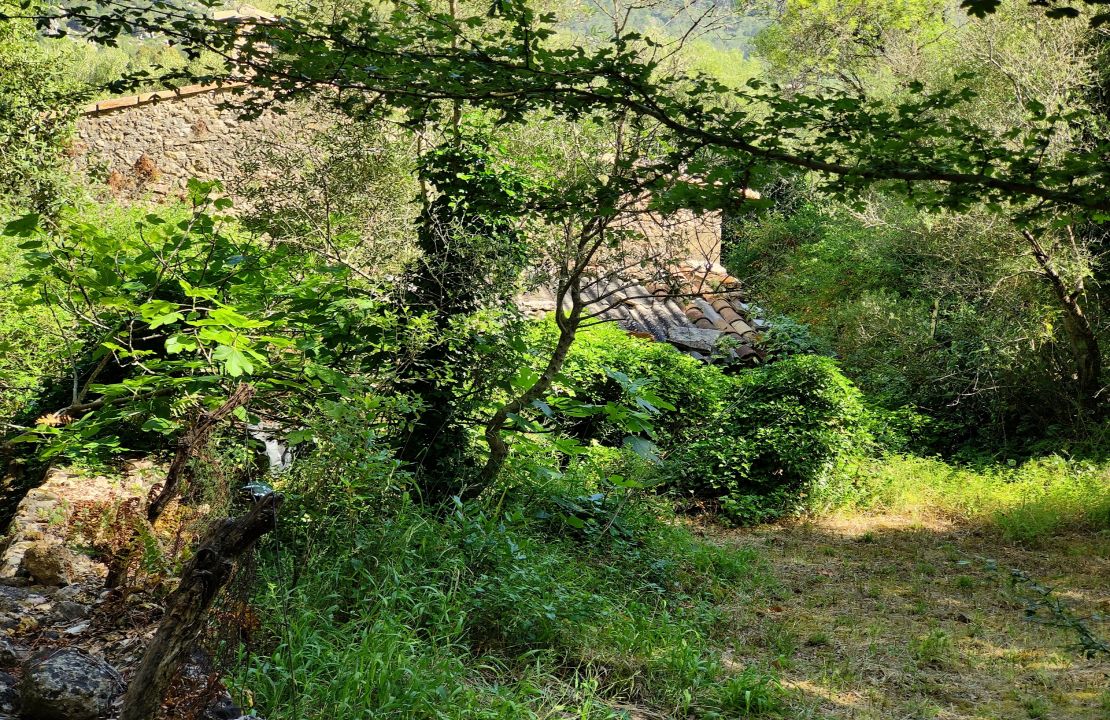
886, 616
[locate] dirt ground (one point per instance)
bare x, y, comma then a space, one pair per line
890, 617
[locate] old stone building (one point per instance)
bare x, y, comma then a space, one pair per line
150, 145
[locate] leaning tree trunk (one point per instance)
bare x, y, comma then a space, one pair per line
498, 448
190, 443
187, 608
1082, 341
193, 440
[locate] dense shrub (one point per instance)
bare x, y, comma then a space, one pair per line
941, 313
776, 443
695, 389
757, 443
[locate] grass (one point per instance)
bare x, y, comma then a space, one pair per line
1027, 503
511, 614
900, 634
900, 605
932, 649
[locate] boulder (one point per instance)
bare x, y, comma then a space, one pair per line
9, 695
67, 684
48, 563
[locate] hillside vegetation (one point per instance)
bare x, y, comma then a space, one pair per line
889, 498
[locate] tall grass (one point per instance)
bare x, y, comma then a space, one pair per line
490, 613
1027, 502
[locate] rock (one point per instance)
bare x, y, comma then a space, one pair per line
20, 623
69, 610
77, 629
9, 694
71, 592
48, 563
222, 708
34, 601
67, 684
10, 653
12, 597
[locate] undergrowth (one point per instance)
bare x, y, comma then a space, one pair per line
512, 609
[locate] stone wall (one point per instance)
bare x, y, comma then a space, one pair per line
150, 145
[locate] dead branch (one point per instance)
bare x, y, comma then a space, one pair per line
193, 440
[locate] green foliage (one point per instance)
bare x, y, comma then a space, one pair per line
787, 337
941, 312
759, 443
693, 388
348, 192
822, 40
37, 106
752, 693
777, 444
933, 649
512, 62
1027, 502
371, 605
170, 310
472, 252
34, 342
920, 310
100, 68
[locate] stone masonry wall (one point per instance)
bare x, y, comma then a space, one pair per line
150, 145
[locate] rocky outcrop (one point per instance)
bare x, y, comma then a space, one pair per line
34, 547
67, 644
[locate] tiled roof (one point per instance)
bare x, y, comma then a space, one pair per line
700, 310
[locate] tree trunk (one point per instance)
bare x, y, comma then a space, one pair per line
187, 607
498, 448
1082, 341
195, 437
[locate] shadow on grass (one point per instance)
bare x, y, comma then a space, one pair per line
878, 616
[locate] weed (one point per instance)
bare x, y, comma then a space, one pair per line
921, 709
963, 582
781, 639
818, 639
933, 649
1036, 707
752, 692
1058, 613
